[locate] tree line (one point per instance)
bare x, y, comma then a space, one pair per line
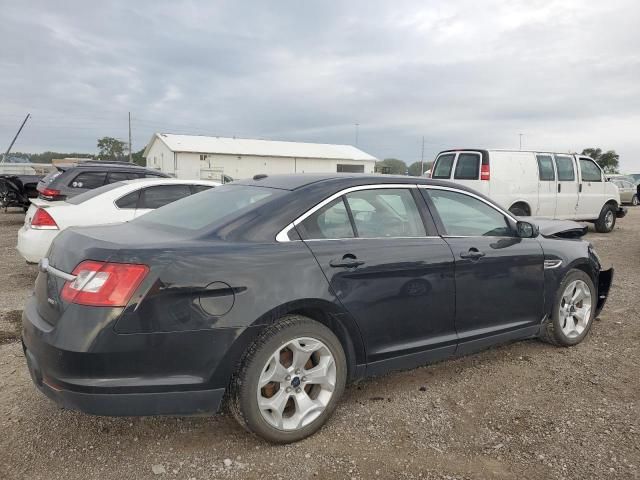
609, 161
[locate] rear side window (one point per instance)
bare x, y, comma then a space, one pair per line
113, 177
200, 188
385, 213
545, 168
467, 166
330, 221
161, 195
564, 165
590, 172
442, 168
129, 201
89, 180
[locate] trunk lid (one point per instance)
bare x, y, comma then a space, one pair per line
125, 243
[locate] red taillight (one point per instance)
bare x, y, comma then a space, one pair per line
43, 220
50, 192
102, 284
485, 172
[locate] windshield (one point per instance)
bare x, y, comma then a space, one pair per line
210, 207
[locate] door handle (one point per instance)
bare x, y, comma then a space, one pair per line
559, 187
473, 254
347, 261
580, 188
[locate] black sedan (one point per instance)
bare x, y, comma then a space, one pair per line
274, 292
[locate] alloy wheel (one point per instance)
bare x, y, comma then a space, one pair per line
296, 383
575, 309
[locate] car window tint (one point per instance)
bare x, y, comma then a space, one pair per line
442, 168
330, 221
590, 172
385, 213
113, 177
200, 188
88, 180
463, 215
161, 195
564, 165
129, 201
545, 168
467, 166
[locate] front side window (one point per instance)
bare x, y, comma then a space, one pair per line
114, 177
329, 222
442, 168
89, 180
564, 165
590, 172
545, 168
161, 195
385, 213
467, 166
466, 216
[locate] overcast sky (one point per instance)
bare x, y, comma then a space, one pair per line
564, 73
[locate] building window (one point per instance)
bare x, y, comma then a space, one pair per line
351, 168
203, 157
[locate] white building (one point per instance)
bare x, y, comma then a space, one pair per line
200, 157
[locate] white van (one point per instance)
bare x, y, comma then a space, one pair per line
540, 184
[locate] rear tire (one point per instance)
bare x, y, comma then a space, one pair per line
573, 310
607, 219
635, 201
519, 210
289, 381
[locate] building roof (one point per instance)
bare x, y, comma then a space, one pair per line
263, 148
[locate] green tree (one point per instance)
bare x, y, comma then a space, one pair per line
416, 169
392, 166
110, 148
608, 160
138, 158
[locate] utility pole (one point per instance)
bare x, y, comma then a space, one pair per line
130, 159
521, 134
6, 154
357, 126
422, 159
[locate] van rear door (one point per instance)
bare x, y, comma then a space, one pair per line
567, 197
467, 167
547, 186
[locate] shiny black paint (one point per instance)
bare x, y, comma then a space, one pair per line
209, 295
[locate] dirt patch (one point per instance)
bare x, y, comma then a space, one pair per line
10, 326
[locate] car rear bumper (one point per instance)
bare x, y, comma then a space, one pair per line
172, 373
33, 244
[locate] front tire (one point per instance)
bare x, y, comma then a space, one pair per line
290, 380
573, 310
607, 219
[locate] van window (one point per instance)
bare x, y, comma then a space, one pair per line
564, 165
590, 172
468, 166
545, 168
442, 169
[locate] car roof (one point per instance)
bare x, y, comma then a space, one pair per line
106, 165
295, 181
168, 181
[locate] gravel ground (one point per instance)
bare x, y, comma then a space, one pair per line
522, 411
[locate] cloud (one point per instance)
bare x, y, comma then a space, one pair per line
563, 73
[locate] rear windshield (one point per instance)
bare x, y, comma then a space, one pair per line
51, 175
209, 208
442, 168
88, 195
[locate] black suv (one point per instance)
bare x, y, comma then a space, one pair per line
70, 180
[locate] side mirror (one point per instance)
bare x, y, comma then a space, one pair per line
527, 230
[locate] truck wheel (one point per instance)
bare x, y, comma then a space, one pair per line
519, 210
607, 219
635, 201
289, 381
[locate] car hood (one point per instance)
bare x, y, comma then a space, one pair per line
558, 228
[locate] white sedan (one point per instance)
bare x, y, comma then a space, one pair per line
113, 203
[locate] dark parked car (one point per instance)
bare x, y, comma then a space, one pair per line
71, 180
17, 190
276, 291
